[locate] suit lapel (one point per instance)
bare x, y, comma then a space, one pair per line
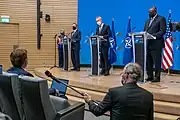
102, 29
153, 22
73, 33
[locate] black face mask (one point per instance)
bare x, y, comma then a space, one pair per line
151, 15
73, 27
62, 33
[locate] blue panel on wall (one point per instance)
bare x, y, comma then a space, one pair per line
121, 10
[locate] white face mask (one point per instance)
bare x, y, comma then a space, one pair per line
99, 23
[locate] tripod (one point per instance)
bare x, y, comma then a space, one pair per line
54, 53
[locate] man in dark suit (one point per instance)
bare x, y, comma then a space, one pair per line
104, 32
75, 47
127, 102
156, 26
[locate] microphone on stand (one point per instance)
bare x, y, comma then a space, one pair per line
49, 74
57, 80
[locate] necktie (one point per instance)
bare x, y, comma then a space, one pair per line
100, 28
150, 22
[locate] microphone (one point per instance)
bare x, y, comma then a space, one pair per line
56, 79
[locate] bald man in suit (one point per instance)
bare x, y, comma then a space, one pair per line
156, 26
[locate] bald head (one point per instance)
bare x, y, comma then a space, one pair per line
152, 12
99, 20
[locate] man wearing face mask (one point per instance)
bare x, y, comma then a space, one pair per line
60, 47
75, 47
103, 31
156, 26
127, 102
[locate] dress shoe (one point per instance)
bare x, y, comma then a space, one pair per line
106, 74
102, 72
156, 80
73, 69
149, 79
78, 69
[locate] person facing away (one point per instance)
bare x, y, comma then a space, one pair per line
156, 26
127, 102
60, 47
19, 61
104, 32
75, 47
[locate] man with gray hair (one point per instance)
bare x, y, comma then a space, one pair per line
127, 102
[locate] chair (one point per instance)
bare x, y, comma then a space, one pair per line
10, 102
38, 105
4, 117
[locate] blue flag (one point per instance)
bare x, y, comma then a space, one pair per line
112, 50
128, 47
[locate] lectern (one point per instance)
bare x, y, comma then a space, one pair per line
139, 42
66, 53
95, 42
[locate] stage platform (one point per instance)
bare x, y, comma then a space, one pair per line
166, 93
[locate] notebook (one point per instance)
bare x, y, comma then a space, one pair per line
60, 86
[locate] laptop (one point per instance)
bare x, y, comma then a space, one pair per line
60, 86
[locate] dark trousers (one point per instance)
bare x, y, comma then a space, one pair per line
154, 58
75, 57
60, 51
104, 62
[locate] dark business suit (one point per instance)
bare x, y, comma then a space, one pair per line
104, 47
155, 46
128, 102
75, 49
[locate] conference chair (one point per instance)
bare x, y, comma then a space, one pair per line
39, 105
4, 117
10, 102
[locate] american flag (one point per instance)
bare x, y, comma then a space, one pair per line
167, 60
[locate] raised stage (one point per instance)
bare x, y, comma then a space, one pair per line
166, 93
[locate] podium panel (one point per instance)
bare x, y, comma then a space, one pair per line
139, 51
66, 54
139, 40
94, 56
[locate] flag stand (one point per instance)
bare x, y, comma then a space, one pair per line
168, 72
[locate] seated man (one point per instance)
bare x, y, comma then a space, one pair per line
127, 102
19, 61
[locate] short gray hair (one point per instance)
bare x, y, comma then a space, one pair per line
135, 70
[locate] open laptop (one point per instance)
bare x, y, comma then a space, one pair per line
60, 86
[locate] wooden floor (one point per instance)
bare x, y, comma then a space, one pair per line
166, 93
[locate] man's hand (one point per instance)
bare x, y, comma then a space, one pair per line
87, 97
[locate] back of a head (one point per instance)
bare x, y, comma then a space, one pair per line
18, 57
135, 70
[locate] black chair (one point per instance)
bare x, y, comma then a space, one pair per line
38, 105
10, 102
4, 117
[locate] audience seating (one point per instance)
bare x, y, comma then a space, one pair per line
10, 102
38, 105
4, 117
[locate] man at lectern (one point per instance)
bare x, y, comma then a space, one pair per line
104, 32
156, 26
75, 47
